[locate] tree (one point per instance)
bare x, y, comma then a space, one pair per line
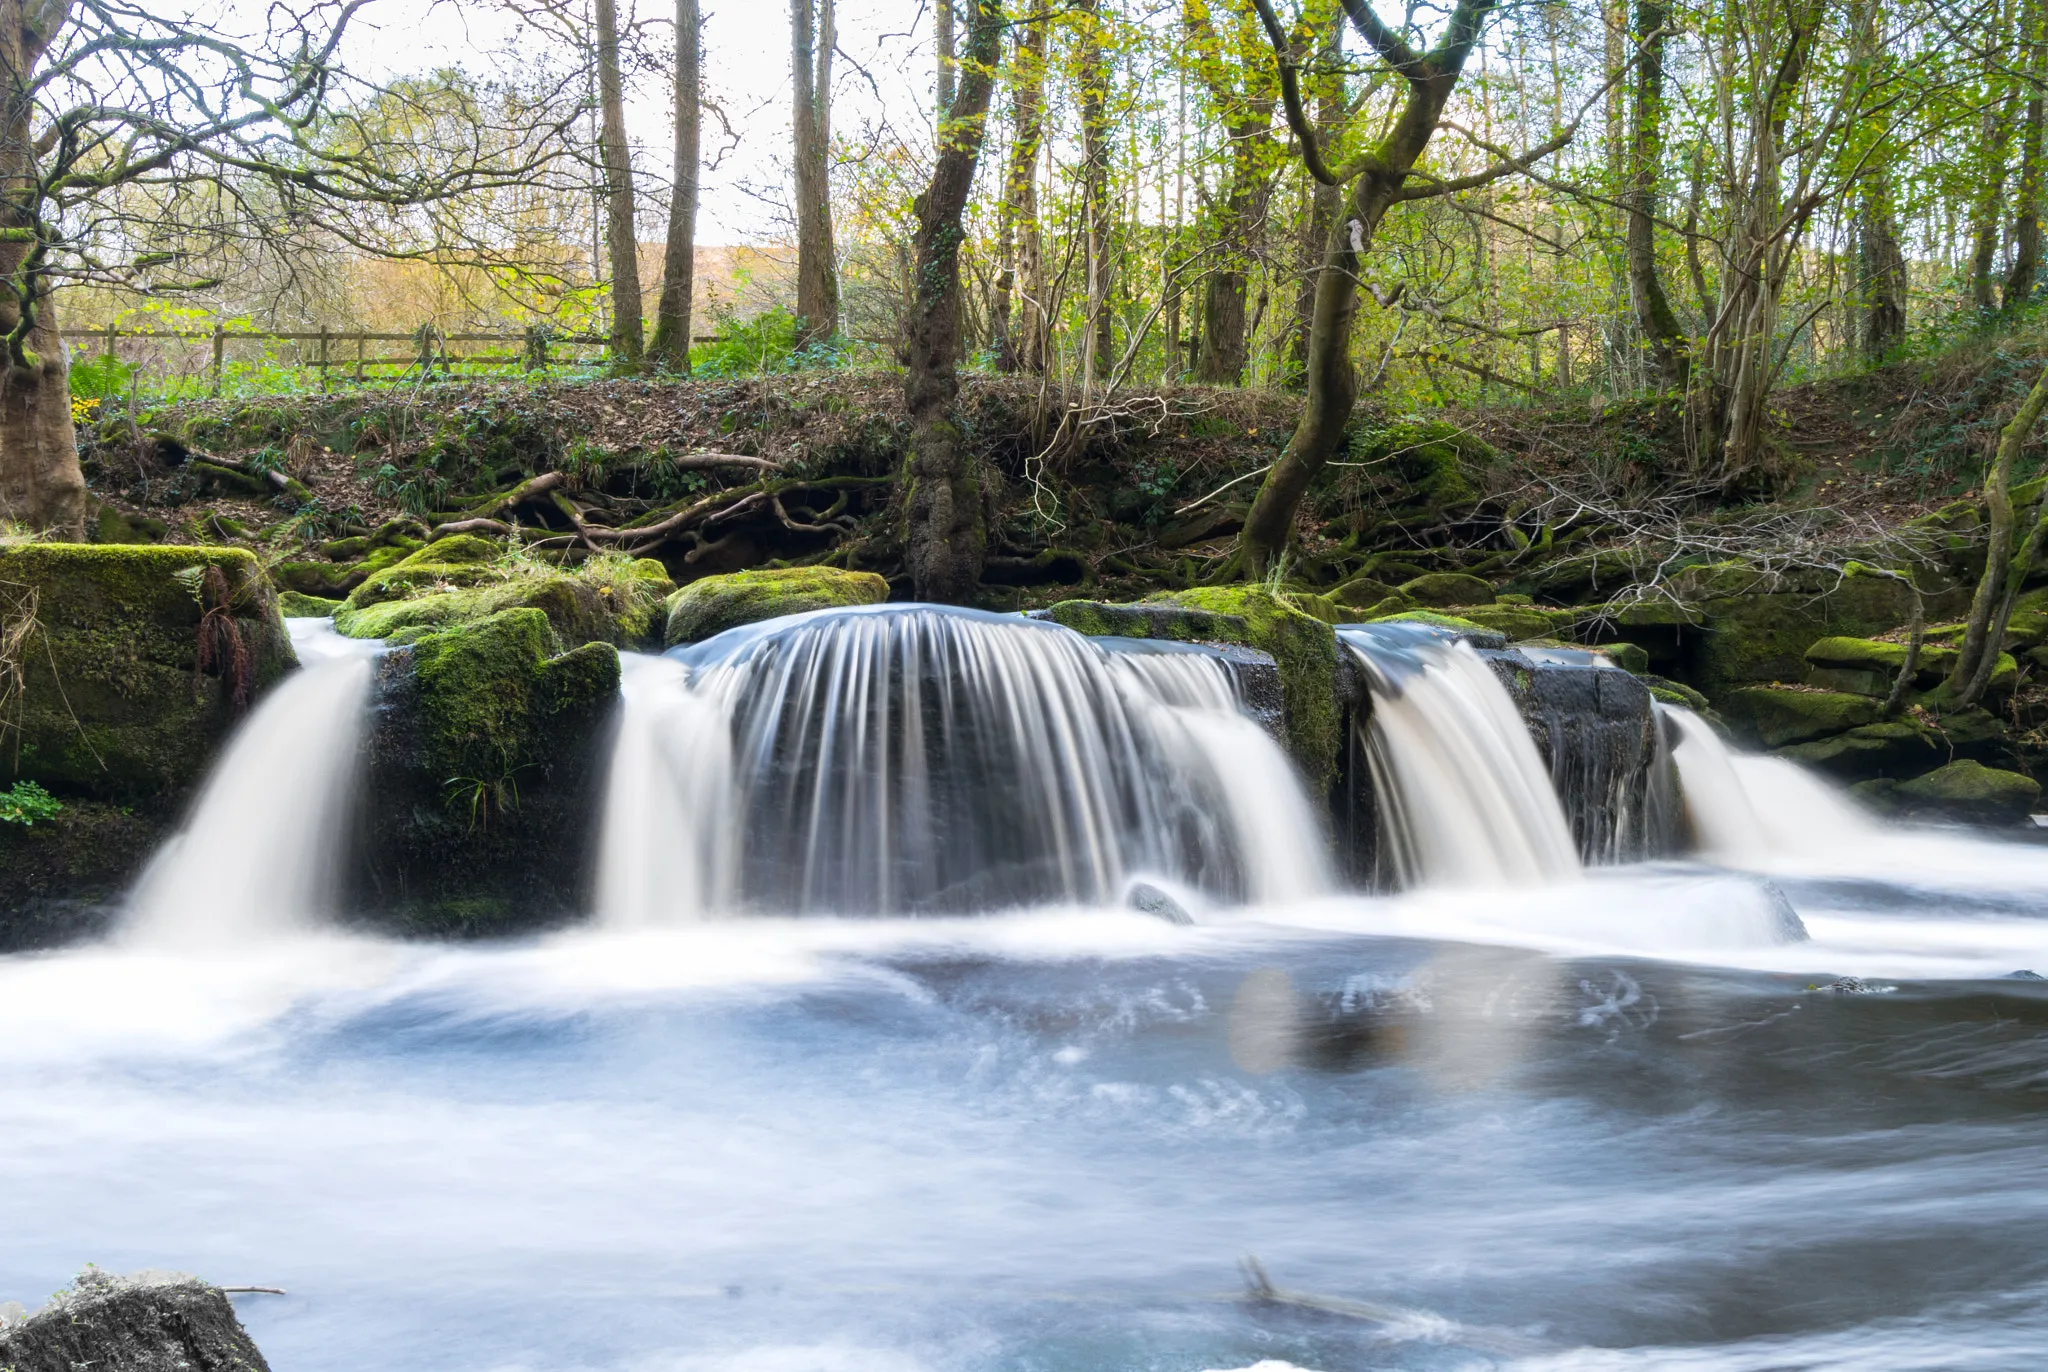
2004, 572
1881, 278
622, 244
1654, 315
1023, 343
817, 275
945, 530
137, 145
679, 255
1378, 179
1098, 343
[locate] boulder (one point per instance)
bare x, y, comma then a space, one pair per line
1969, 791
1473, 632
1868, 666
607, 599
1305, 649
1892, 748
1517, 622
484, 768
292, 605
1777, 715
136, 660
710, 606
1177, 623
149, 1322
1440, 589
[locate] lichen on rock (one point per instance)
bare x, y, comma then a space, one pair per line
713, 604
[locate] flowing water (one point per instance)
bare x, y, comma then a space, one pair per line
1778, 1109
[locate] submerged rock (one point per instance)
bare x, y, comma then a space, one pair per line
710, 606
148, 1322
135, 662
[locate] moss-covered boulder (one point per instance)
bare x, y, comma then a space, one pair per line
710, 606
1777, 715
1971, 792
458, 561
607, 599
1175, 623
484, 775
62, 879
292, 605
1471, 630
1668, 692
332, 580
576, 612
1440, 589
1870, 666
134, 662
1305, 649
1518, 622
1890, 748
1431, 466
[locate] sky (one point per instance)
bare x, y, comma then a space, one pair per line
886, 74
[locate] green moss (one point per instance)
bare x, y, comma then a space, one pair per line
1777, 715
111, 707
1438, 464
1518, 622
1305, 650
329, 580
452, 550
577, 612
1891, 748
1176, 623
1675, 693
1482, 635
292, 605
714, 604
488, 691
1448, 588
1971, 791
1628, 656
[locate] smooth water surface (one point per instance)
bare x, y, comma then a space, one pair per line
1627, 1121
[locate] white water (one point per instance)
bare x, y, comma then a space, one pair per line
919, 759
260, 854
1464, 795
1757, 811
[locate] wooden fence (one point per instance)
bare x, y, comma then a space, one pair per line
349, 350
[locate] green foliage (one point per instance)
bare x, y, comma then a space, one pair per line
26, 803
765, 343
101, 378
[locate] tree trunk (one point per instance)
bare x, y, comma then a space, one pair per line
1322, 210
1332, 380
1223, 355
1669, 346
817, 276
942, 26
1225, 346
2026, 225
1021, 342
1099, 341
40, 481
2002, 578
1880, 263
945, 530
622, 244
1994, 139
679, 258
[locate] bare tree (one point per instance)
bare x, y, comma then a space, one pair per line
679, 256
622, 244
817, 275
945, 530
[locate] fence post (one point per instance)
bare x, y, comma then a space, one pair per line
360, 341
536, 347
110, 340
220, 350
323, 357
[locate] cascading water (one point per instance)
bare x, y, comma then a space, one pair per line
908, 759
261, 852
1748, 810
1462, 794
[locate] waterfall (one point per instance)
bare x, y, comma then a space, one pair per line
260, 853
1746, 809
1463, 796
913, 759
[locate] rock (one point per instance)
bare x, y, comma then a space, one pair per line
1629, 657
1305, 649
1670, 692
112, 706
1177, 623
457, 561
329, 580
1362, 592
710, 606
1972, 792
1434, 465
149, 1322
1478, 635
1890, 748
1439, 589
1778, 715
1870, 666
606, 599
1148, 899
63, 879
484, 772
292, 605
1516, 622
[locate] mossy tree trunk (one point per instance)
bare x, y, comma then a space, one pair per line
1378, 181
40, 481
671, 347
1021, 342
945, 533
622, 245
1669, 346
2025, 271
2004, 574
1880, 261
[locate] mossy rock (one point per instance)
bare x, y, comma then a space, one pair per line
112, 706
330, 580
578, 613
1175, 623
1671, 692
1479, 635
1763, 635
1890, 748
1361, 592
1305, 649
1628, 656
1437, 465
62, 879
1517, 622
1970, 791
485, 769
292, 605
1440, 589
1776, 715
2029, 623
1868, 666
710, 606
453, 550
110, 525
453, 563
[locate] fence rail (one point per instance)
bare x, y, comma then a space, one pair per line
430, 347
